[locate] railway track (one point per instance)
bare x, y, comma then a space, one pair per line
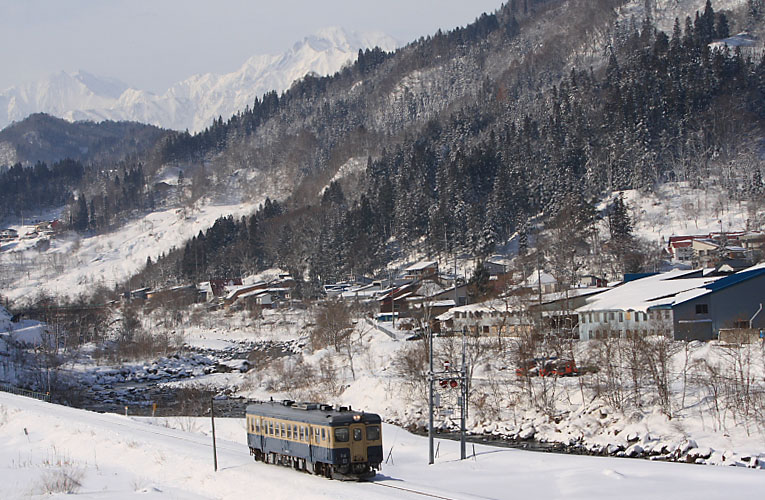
414, 492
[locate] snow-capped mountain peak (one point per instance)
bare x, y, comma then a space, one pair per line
191, 103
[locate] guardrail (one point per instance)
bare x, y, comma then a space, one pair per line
386, 331
42, 396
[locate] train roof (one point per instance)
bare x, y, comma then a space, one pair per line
312, 413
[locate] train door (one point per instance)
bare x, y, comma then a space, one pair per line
358, 443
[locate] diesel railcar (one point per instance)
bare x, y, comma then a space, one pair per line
335, 442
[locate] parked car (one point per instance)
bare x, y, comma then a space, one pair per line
546, 367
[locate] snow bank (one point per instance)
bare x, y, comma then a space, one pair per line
119, 457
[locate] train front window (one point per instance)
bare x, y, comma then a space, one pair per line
357, 434
373, 433
341, 434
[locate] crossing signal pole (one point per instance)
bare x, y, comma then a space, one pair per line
447, 378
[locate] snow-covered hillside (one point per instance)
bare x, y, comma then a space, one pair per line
68, 265
111, 456
192, 103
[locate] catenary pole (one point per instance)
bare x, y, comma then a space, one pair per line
431, 459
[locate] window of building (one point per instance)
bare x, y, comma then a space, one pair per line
702, 308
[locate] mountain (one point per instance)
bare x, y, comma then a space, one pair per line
192, 103
45, 138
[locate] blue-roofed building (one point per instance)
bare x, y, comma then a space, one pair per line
729, 302
686, 305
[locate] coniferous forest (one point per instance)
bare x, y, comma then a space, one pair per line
662, 107
464, 139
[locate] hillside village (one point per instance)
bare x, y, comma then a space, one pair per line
553, 240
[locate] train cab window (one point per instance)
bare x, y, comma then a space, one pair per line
341, 434
357, 434
373, 433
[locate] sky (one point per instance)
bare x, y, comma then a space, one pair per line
150, 44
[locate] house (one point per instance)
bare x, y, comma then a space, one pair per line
745, 42
521, 313
183, 295
541, 281
218, 286
493, 317
707, 250
592, 281
235, 291
495, 268
138, 294
394, 300
421, 270
8, 234
686, 305
258, 297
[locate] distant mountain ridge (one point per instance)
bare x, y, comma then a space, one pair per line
191, 103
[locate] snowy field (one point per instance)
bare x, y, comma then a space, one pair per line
111, 456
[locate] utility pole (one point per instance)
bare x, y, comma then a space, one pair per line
431, 459
212, 420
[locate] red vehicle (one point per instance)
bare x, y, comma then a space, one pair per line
546, 367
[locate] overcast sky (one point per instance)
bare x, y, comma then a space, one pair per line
150, 44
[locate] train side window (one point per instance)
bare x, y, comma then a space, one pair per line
373, 433
317, 435
282, 431
295, 431
302, 433
323, 435
257, 425
289, 431
341, 434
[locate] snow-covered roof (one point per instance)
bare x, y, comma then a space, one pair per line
254, 293
651, 291
430, 288
421, 265
572, 293
540, 276
743, 39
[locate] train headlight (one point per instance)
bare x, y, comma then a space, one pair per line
356, 418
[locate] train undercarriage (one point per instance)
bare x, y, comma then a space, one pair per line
352, 472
